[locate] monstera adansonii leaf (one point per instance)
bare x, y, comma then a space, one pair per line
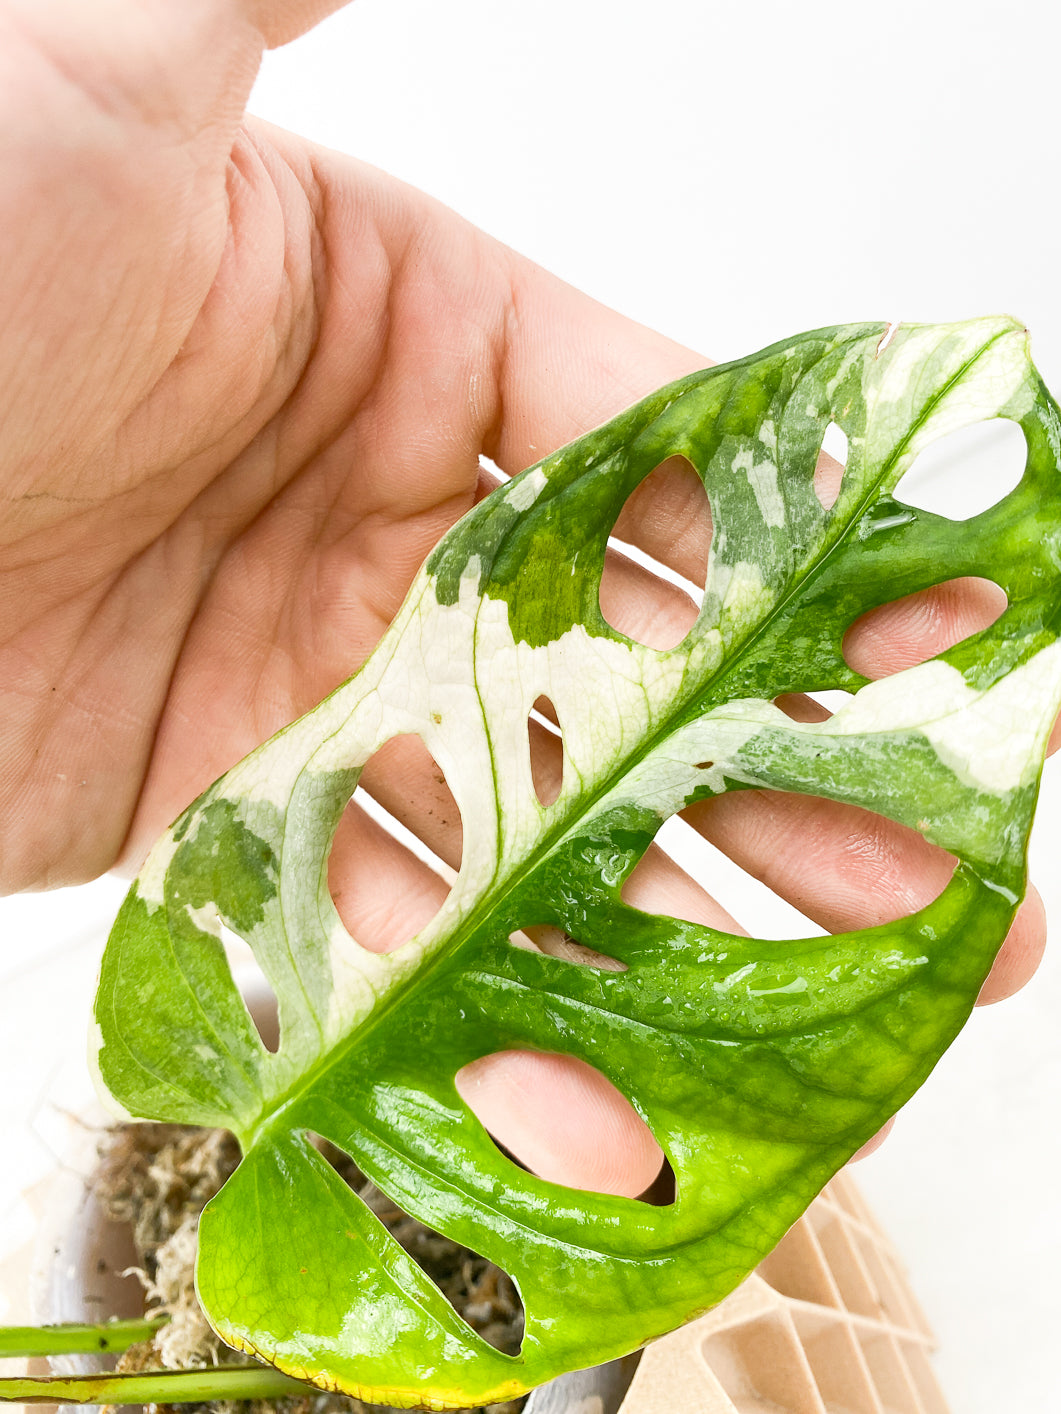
760, 1066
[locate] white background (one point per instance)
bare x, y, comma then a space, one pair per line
730, 175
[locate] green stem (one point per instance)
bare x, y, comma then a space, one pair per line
106, 1338
156, 1387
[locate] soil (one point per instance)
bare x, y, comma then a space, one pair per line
157, 1178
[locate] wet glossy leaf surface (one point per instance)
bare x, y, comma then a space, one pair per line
759, 1066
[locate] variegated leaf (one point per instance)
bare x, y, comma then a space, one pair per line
760, 1066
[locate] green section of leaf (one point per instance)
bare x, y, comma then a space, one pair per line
178, 1034
228, 867
760, 1066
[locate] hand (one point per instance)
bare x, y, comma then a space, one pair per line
246, 384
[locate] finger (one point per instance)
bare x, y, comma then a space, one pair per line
563, 1120
842, 866
1020, 954
660, 885
918, 626
642, 606
383, 894
569, 364
280, 21
847, 869
872, 1145
668, 516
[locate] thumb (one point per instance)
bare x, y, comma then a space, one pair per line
280, 21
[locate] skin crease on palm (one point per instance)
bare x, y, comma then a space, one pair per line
246, 384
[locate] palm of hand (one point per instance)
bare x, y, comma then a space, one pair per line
262, 389
247, 385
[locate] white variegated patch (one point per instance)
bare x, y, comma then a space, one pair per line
990, 739
523, 493
206, 919
981, 368
852, 357
743, 595
151, 881
762, 478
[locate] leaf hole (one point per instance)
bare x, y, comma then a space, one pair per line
663, 1190
966, 472
789, 865
554, 942
816, 706
781, 865
397, 849
491, 472
254, 987
545, 742
652, 587
483, 1295
919, 626
682, 875
830, 466
562, 1119
891, 328
831, 698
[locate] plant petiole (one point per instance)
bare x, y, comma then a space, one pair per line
104, 1338
221, 1382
